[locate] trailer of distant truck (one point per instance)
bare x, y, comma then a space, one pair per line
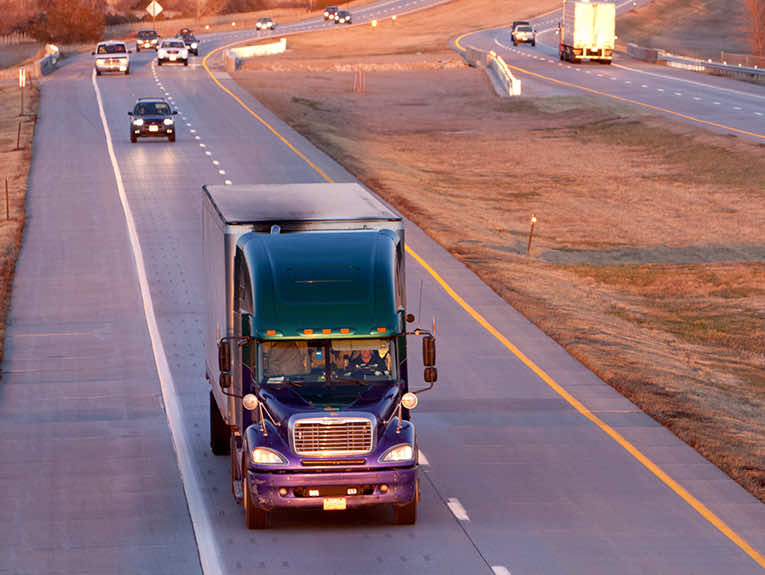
587, 31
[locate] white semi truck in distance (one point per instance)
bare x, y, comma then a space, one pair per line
587, 31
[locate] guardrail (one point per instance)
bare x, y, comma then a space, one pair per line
739, 72
16, 38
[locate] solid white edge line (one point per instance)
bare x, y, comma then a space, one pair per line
500, 570
457, 509
208, 556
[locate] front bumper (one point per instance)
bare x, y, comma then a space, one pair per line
146, 132
264, 487
111, 66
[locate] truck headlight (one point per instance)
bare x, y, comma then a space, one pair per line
168, 122
266, 456
398, 454
138, 122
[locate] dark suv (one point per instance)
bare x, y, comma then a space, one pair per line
191, 43
146, 39
152, 118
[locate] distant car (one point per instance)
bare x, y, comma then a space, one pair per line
112, 56
519, 23
192, 44
265, 24
524, 33
146, 39
152, 118
172, 50
183, 32
330, 11
343, 17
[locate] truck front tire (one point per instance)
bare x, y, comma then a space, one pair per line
405, 514
219, 431
254, 517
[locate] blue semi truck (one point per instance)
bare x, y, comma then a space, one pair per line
306, 349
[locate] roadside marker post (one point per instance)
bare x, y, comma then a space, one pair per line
533, 221
7, 202
22, 85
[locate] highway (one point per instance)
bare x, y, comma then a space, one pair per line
720, 104
531, 464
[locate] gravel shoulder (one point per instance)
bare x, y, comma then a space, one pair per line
648, 259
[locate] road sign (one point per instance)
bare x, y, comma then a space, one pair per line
154, 8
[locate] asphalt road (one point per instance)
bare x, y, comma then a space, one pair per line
717, 103
533, 465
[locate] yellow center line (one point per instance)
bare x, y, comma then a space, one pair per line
637, 103
697, 505
255, 115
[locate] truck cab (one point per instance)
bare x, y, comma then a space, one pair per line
307, 349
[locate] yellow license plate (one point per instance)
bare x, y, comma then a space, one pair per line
334, 503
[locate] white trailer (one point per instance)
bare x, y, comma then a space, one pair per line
587, 31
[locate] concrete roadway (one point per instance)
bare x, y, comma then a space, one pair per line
717, 103
106, 465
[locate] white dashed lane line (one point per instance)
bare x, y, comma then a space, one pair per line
500, 570
457, 509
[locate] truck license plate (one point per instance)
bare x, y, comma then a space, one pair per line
334, 503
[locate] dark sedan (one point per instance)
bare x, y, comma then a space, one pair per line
191, 43
343, 17
152, 118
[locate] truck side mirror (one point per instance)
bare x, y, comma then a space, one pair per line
431, 375
429, 351
224, 356
225, 380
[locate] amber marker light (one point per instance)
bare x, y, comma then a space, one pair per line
308, 331
326, 331
270, 332
345, 330
381, 330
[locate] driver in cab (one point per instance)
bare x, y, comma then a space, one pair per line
367, 362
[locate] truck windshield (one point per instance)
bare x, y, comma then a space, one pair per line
331, 362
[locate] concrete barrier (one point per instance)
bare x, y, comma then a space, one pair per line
233, 58
509, 84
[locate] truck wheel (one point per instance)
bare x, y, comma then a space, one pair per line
254, 517
219, 432
405, 514
171, 138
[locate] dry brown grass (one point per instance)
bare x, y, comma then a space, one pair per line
698, 28
648, 261
14, 167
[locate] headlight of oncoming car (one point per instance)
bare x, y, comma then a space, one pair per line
266, 456
138, 122
168, 122
194, 45
398, 454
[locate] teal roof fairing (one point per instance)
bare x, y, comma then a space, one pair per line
323, 280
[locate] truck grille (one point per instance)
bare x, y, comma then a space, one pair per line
320, 436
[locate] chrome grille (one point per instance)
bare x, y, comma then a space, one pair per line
332, 436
